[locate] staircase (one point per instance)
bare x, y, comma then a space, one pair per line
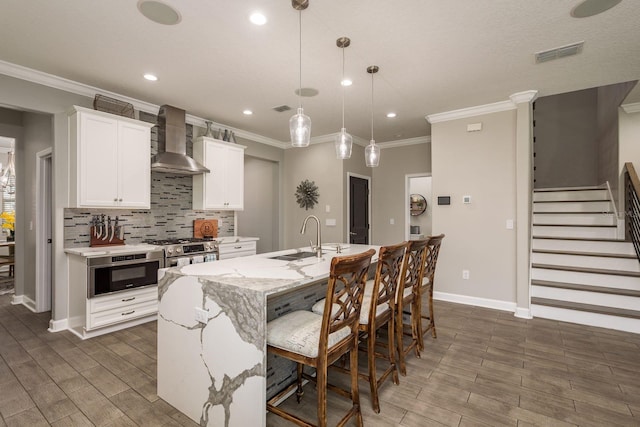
580, 271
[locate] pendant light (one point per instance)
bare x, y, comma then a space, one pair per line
344, 141
372, 152
300, 123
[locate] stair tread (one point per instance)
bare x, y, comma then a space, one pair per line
586, 307
581, 253
583, 239
587, 288
587, 270
571, 201
558, 189
576, 225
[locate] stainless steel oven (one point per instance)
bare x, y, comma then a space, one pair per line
116, 273
179, 252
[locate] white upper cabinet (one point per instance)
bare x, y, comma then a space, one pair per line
223, 187
110, 160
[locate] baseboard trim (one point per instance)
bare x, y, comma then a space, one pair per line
24, 300
58, 325
480, 302
523, 313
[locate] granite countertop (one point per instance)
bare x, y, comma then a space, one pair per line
264, 274
111, 250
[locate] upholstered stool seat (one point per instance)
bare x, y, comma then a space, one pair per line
299, 332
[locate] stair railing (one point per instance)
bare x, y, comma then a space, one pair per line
632, 206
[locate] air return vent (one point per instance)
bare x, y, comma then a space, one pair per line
559, 52
281, 108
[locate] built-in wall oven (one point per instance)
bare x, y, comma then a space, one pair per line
116, 273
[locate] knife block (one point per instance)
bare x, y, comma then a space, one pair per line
99, 242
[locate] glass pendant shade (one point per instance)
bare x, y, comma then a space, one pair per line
300, 129
344, 143
372, 155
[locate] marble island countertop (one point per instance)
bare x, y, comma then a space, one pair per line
265, 274
212, 326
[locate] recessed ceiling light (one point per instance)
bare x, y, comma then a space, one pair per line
150, 77
391, 115
346, 82
258, 19
247, 112
592, 7
159, 12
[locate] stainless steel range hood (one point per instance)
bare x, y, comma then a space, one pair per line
172, 134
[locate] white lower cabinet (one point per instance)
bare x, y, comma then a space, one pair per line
121, 307
237, 249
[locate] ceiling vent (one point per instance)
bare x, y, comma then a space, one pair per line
282, 108
559, 52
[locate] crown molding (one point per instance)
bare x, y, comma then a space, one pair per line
496, 107
631, 108
406, 142
56, 82
526, 96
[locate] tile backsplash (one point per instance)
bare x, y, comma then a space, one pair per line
171, 214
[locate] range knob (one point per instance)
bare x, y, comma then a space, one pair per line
207, 246
178, 249
169, 251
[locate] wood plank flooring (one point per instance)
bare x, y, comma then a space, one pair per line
486, 368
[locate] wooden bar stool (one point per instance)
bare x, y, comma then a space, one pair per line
378, 310
427, 287
408, 295
318, 341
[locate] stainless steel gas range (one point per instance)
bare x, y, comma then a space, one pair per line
179, 252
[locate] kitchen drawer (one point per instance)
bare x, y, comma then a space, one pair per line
122, 314
237, 249
123, 300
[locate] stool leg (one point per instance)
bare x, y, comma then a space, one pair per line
355, 394
401, 363
432, 320
391, 344
321, 378
373, 380
299, 391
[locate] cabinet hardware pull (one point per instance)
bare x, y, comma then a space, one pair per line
128, 313
128, 299
237, 247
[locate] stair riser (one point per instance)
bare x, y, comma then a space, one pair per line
594, 218
583, 318
572, 207
605, 280
570, 195
619, 264
581, 232
584, 297
624, 248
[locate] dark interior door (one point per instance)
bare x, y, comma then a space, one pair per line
359, 211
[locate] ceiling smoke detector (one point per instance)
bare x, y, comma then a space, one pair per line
159, 12
559, 52
307, 92
282, 108
593, 7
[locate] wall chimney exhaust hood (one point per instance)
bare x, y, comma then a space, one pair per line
172, 135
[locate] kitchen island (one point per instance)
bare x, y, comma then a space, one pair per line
215, 371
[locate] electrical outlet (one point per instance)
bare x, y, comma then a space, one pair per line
202, 315
392, 221
465, 274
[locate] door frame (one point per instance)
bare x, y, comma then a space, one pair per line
44, 209
407, 193
348, 217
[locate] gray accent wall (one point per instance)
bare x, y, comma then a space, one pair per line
566, 140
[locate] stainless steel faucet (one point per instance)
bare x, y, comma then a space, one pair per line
318, 247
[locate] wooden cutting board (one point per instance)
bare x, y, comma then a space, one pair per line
205, 228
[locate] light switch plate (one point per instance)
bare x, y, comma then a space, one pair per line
466, 200
330, 222
327, 208
201, 315
509, 224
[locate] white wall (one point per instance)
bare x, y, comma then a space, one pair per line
628, 148
482, 165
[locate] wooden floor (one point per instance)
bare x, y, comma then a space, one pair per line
486, 368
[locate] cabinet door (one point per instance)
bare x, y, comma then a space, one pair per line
98, 160
134, 166
215, 180
235, 178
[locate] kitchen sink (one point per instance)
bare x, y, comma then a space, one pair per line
295, 256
